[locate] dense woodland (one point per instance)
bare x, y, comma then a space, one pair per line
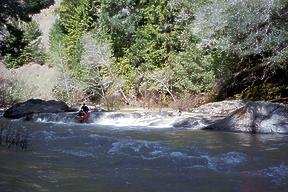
156, 52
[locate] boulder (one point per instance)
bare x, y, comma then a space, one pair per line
196, 122
221, 108
35, 106
255, 117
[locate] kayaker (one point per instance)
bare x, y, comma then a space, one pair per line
83, 113
84, 108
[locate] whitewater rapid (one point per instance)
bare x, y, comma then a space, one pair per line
132, 152
130, 120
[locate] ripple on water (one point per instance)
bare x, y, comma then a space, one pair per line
146, 149
278, 174
44, 135
75, 153
139, 149
233, 158
225, 161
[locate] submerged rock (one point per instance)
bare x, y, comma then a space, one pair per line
255, 117
35, 106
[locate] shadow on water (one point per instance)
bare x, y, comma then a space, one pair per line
12, 136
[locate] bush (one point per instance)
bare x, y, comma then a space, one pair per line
6, 88
13, 91
187, 102
112, 102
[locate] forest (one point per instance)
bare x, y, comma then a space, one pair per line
175, 53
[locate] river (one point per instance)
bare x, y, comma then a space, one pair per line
118, 157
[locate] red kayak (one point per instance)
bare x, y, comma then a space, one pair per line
83, 117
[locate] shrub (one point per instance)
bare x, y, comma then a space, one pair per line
112, 102
13, 91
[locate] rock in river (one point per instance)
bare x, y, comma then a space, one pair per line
35, 106
255, 117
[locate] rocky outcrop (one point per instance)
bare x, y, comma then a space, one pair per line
221, 108
35, 106
195, 122
208, 114
255, 117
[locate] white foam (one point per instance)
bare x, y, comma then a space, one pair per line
124, 120
130, 120
180, 155
75, 153
233, 158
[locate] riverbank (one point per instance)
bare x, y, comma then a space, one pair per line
229, 115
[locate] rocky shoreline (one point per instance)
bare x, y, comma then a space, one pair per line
230, 115
255, 117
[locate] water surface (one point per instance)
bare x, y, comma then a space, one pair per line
105, 158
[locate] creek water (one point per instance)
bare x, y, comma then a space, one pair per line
110, 157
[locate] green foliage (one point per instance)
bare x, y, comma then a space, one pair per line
109, 47
11, 50
56, 58
23, 45
75, 20
19, 43
193, 70
34, 6
33, 50
126, 72
156, 38
149, 36
10, 10
66, 50
150, 42
250, 39
265, 91
246, 28
31, 31
20, 9
56, 45
14, 40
